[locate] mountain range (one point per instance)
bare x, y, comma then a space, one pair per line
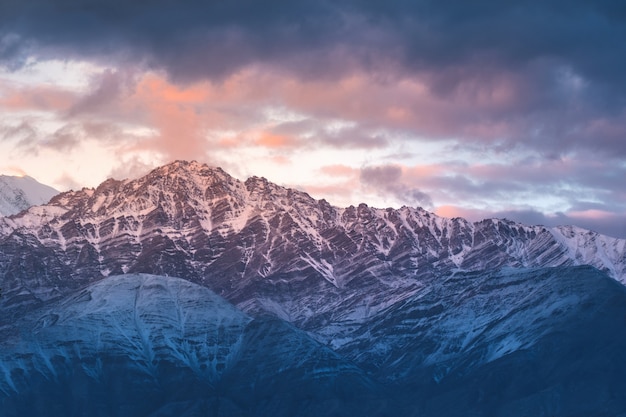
205, 295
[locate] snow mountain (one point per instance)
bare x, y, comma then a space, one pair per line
142, 345
423, 315
267, 248
20, 193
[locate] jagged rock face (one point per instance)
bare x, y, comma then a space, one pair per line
253, 242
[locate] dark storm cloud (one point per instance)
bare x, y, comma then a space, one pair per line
12, 50
562, 61
200, 38
191, 39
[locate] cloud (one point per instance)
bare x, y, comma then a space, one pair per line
67, 182
271, 140
110, 87
23, 133
40, 98
13, 170
12, 50
450, 41
134, 167
63, 140
422, 33
387, 179
184, 37
338, 171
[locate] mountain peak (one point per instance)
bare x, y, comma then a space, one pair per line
18, 193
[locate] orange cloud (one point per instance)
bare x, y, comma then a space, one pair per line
13, 170
270, 140
155, 86
466, 213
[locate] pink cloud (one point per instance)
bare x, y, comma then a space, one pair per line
184, 114
339, 171
40, 98
270, 140
280, 160
422, 172
451, 211
591, 214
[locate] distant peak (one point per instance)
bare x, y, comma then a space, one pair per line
17, 193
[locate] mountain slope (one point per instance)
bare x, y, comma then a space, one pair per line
20, 193
515, 342
561, 351
142, 345
544, 342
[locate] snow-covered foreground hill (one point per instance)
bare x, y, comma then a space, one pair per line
518, 342
143, 345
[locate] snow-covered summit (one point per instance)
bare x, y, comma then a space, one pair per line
20, 193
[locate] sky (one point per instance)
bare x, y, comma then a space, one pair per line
488, 108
